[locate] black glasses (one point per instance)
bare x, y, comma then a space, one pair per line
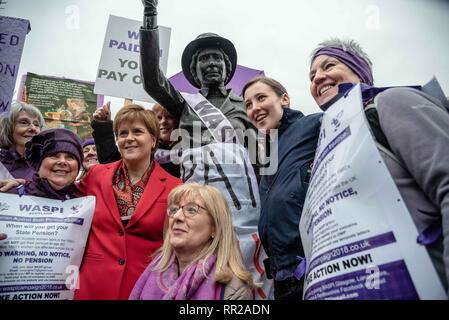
189, 209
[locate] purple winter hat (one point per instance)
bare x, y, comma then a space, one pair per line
353, 60
88, 142
52, 141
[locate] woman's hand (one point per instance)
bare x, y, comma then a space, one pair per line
103, 113
8, 184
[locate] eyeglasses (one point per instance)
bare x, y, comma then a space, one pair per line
189, 210
26, 123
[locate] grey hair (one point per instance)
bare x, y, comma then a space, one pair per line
194, 61
345, 45
7, 123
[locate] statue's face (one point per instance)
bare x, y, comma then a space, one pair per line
211, 68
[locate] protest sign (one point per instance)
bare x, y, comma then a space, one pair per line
64, 103
359, 239
46, 239
12, 38
119, 72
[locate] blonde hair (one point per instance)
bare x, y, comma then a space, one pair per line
134, 113
224, 244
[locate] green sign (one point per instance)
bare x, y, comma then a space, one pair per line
64, 103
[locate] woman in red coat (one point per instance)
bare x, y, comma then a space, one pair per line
130, 209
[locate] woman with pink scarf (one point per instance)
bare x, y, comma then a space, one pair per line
200, 258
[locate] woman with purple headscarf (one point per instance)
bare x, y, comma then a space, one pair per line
335, 62
56, 156
411, 133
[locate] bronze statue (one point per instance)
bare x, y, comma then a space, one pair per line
208, 63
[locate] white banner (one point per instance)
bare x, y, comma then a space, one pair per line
40, 258
119, 71
359, 239
12, 40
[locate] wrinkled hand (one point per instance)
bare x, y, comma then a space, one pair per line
103, 113
3, 236
149, 7
8, 184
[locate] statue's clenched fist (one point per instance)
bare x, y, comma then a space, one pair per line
149, 7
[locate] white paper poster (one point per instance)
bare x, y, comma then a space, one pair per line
359, 239
119, 69
40, 258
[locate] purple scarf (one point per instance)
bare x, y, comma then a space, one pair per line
39, 187
192, 284
353, 61
15, 164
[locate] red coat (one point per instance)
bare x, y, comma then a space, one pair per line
116, 256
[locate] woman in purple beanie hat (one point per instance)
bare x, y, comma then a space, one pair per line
56, 155
90, 157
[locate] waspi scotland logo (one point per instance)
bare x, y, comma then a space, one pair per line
75, 209
3, 205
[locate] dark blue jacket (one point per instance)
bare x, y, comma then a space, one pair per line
282, 194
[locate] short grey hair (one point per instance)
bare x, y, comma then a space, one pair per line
7, 123
345, 45
194, 61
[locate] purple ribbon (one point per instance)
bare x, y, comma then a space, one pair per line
300, 270
431, 234
21, 190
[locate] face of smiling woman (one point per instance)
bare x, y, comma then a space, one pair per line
60, 169
135, 143
90, 156
264, 107
166, 126
190, 228
26, 126
326, 73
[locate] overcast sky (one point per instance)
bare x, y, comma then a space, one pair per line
407, 40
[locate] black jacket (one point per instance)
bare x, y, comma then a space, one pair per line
282, 194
